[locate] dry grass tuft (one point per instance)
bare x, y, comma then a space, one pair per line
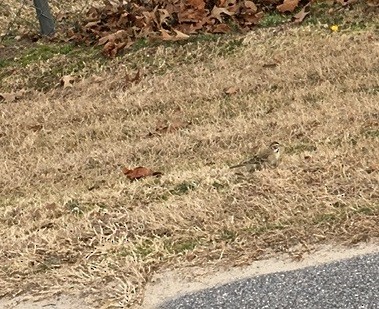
70, 221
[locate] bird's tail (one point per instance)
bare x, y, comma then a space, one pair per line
238, 165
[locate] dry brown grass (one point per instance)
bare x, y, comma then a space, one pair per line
321, 102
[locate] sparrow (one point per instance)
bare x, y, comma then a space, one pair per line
268, 157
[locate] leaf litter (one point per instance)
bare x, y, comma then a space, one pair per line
116, 26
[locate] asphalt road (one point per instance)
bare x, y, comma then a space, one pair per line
351, 283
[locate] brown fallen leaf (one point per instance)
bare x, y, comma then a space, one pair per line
180, 35
221, 28
288, 6
216, 13
8, 97
251, 5
94, 79
35, 127
111, 49
250, 18
372, 168
13, 96
231, 90
113, 37
270, 65
373, 3
165, 35
91, 24
164, 17
67, 81
139, 172
61, 16
232, 5
129, 80
114, 42
346, 2
299, 17
190, 15
168, 37
169, 127
197, 4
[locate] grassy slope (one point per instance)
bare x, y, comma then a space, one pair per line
71, 221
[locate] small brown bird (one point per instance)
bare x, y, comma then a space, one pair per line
266, 157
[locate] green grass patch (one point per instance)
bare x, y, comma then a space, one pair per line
367, 210
44, 52
325, 218
229, 47
181, 246
273, 19
219, 186
144, 249
259, 230
371, 133
228, 235
184, 188
41, 66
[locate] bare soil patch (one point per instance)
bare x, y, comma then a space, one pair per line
35, 302
71, 222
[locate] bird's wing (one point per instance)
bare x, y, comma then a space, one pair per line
257, 160
263, 155
254, 160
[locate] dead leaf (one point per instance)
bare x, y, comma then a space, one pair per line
166, 36
231, 90
372, 168
36, 127
129, 80
346, 2
373, 3
251, 5
13, 96
171, 126
221, 28
94, 79
163, 16
8, 97
299, 17
113, 37
250, 18
197, 4
111, 49
115, 25
288, 6
139, 172
270, 65
216, 13
67, 81
180, 35
91, 24
232, 5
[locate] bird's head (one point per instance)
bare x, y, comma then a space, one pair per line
275, 147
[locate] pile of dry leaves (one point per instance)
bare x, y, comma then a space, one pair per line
116, 26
